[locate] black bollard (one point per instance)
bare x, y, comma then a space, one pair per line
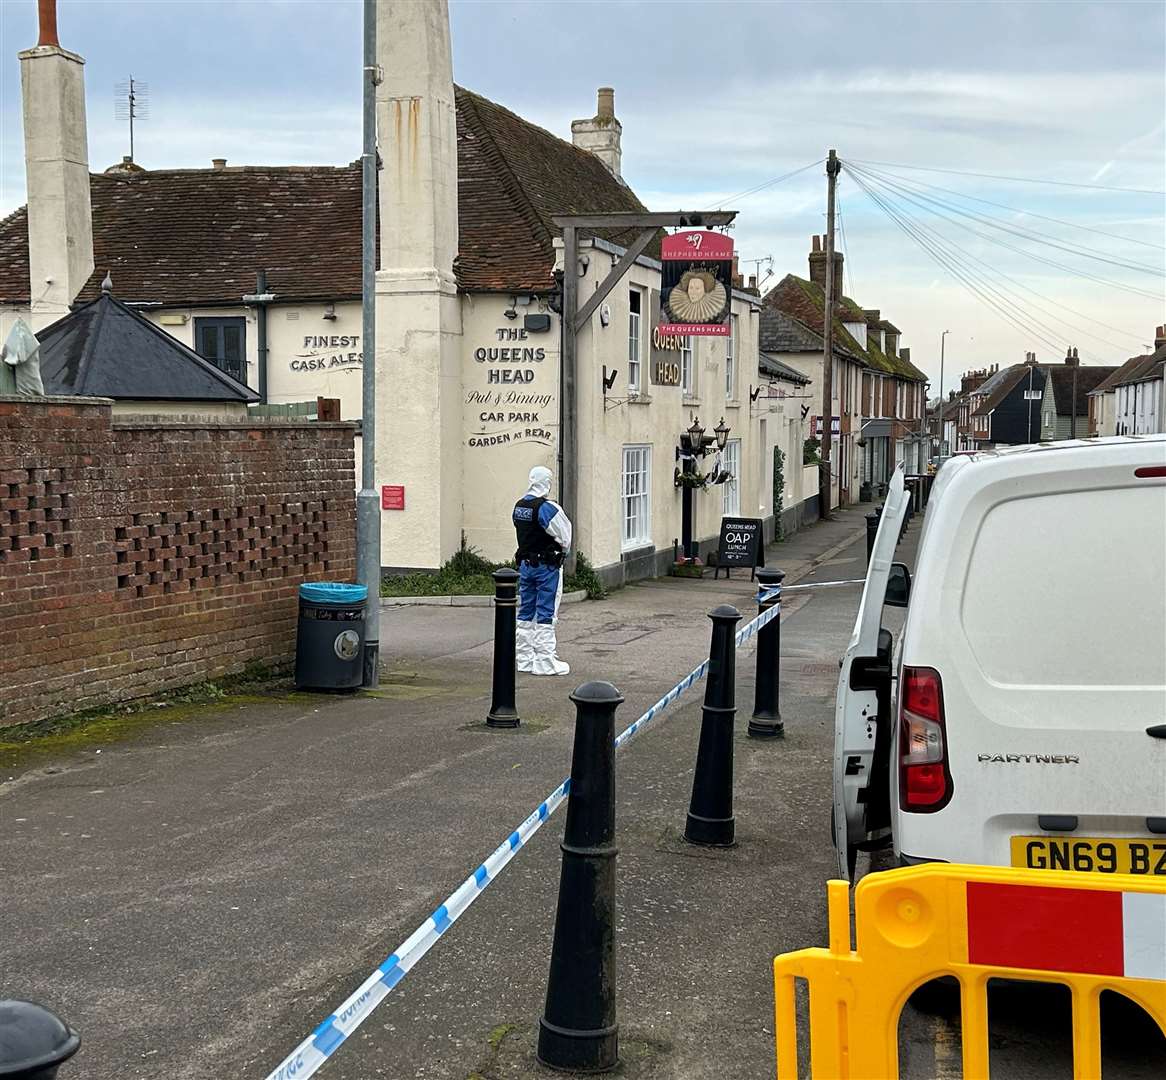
33, 1041
710, 813
503, 713
872, 528
578, 1030
766, 721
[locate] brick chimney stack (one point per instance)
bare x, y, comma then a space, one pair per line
601, 134
1159, 337
1071, 357
56, 161
818, 266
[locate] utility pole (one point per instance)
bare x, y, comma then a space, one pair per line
833, 166
1073, 409
368, 510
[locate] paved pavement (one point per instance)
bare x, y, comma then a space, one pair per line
197, 899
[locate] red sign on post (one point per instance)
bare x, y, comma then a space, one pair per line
393, 497
696, 285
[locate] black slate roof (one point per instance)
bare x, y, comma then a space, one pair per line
106, 349
771, 365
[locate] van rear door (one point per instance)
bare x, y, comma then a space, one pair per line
861, 741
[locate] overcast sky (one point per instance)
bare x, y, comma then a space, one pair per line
716, 99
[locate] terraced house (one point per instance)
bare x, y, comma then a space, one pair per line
878, 396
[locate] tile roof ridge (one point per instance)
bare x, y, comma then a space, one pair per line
510, 182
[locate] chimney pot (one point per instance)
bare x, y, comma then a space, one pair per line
817, 243
47, 15
606, 103
219, 163
752, 281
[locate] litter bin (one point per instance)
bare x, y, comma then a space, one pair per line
330, 636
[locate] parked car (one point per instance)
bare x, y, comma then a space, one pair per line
1020, 717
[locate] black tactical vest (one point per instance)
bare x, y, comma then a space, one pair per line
535, 544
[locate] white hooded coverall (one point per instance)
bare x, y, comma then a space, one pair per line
541, 588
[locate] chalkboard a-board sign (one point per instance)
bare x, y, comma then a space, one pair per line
742, 543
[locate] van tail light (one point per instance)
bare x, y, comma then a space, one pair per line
924, 778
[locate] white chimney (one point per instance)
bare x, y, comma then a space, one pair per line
601, 134
56, 156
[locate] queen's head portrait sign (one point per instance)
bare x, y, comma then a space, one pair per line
696, 284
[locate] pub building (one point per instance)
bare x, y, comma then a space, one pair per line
258, 269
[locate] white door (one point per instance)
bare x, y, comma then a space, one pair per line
857, 732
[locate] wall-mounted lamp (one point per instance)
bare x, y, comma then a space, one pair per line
754, 393
584, 262
609, 380
510, 313
330, 312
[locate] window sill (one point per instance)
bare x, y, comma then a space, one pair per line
639, 399
733, 404
690, 401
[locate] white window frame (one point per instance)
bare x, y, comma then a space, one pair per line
731, 494
635, 340
636, 497
731, 361
687, 367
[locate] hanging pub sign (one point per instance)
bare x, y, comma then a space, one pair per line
696, 283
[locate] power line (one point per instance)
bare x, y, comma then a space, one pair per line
1121, 286
947, 263
1016, 179
847, 260
1029, 234
1033, 213
761, 187
999, 273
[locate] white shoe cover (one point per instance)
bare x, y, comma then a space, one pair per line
524, 645
545, 661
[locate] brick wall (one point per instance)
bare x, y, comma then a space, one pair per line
136, 556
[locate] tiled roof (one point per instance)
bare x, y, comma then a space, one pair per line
1119, 376
105, 349
1150, 367
780, 332
1087, 379
1000, 386
805, 301
197, 236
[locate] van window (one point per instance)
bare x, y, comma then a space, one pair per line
1067, 590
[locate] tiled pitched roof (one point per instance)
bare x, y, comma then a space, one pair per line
780, 332
197, 236
1150, 367
1121, 374
805, 301
1087, 379
1000, 386
105, 349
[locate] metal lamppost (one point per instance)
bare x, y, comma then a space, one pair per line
691, 447
694, 443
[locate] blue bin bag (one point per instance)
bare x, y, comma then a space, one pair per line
333, 592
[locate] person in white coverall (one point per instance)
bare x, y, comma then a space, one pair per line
544, 539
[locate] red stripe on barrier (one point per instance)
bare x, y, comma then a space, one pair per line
1045, 929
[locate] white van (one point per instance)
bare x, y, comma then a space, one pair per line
1020, 719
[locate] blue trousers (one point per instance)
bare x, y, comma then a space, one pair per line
538, 589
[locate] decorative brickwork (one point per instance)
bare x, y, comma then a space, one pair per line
136, 556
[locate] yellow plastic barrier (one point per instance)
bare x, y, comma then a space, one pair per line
1089, 932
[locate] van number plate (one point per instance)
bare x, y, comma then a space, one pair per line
1090, 854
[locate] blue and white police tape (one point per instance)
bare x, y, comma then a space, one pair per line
323, 1042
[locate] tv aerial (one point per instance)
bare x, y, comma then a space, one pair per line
132, 102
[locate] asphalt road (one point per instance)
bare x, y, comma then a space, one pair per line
198, 899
